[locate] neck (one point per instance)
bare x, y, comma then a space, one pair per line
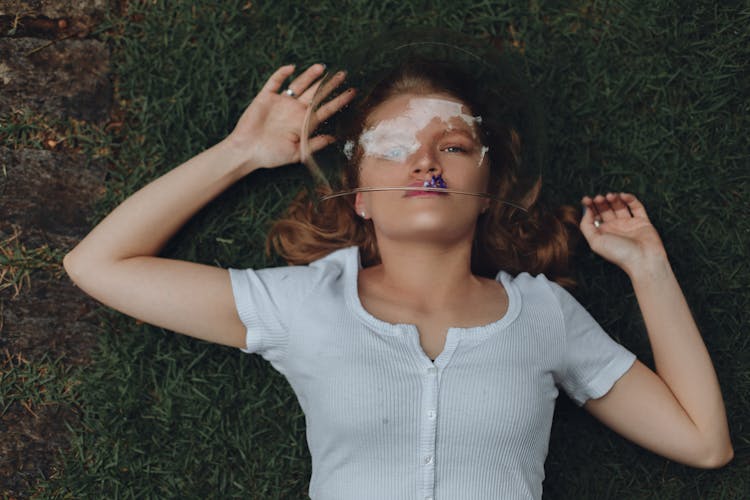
425, 274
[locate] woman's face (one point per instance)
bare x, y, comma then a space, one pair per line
407, 140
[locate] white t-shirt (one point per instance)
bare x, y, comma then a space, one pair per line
384, 421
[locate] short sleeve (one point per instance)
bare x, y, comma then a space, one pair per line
592, 361
266, 301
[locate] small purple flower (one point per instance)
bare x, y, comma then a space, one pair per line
436, 182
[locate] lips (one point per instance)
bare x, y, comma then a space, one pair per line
422, 193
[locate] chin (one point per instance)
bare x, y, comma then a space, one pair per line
426, 220
427, 226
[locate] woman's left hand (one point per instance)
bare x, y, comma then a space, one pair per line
617, 227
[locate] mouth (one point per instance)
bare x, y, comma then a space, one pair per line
412, 193
436, 182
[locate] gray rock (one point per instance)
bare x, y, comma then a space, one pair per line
52, 8
48, 195
50, 316
46, 198
51, 319
66, 79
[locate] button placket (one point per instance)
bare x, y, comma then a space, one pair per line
428, 427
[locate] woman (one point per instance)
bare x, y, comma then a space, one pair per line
419, 376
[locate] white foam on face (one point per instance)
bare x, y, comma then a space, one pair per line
396, 139
349, 149
481, 157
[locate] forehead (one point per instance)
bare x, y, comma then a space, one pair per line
420, 108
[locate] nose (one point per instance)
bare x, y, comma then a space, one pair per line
424, 162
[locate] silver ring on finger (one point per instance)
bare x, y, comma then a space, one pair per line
290, 92
597, 222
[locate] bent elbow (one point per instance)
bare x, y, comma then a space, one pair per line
724, 458
718, 458
81, 273
70, 268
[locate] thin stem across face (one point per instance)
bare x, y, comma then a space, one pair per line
420, 188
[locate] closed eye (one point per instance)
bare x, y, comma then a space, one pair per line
395, 154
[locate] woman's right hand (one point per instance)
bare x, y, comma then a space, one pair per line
268, 132
118, 263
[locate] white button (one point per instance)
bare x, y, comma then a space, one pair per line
431, 414
432, 370
428, 459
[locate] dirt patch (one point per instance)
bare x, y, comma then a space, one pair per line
65, 79
55, 8
50, 70
53, 318
48, 195
33, 435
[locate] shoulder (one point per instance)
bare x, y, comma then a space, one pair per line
302, 278
337, 262
532, 286
542, 296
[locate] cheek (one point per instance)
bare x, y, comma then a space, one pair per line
474, 180
371, 174
484, 171
485, 180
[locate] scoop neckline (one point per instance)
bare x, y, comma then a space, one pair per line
479, 332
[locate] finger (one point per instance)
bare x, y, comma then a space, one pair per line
589, 212
308, 95
300, 84
587, 221
334, 105
605, 210
276, 80
320, 141
329, 86
635, 206
619, 206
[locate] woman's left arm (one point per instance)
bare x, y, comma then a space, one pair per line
677, 411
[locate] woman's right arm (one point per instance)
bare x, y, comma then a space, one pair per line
116, 262
117, 265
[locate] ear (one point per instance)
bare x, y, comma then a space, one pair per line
359, 204
486, 204
486, 201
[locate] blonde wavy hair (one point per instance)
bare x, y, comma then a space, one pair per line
537, 241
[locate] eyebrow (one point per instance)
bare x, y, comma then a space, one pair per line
460, 130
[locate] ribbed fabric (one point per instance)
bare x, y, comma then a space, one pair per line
385, 422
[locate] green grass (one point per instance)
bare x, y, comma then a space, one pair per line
646, 97
19, 262
34, 384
